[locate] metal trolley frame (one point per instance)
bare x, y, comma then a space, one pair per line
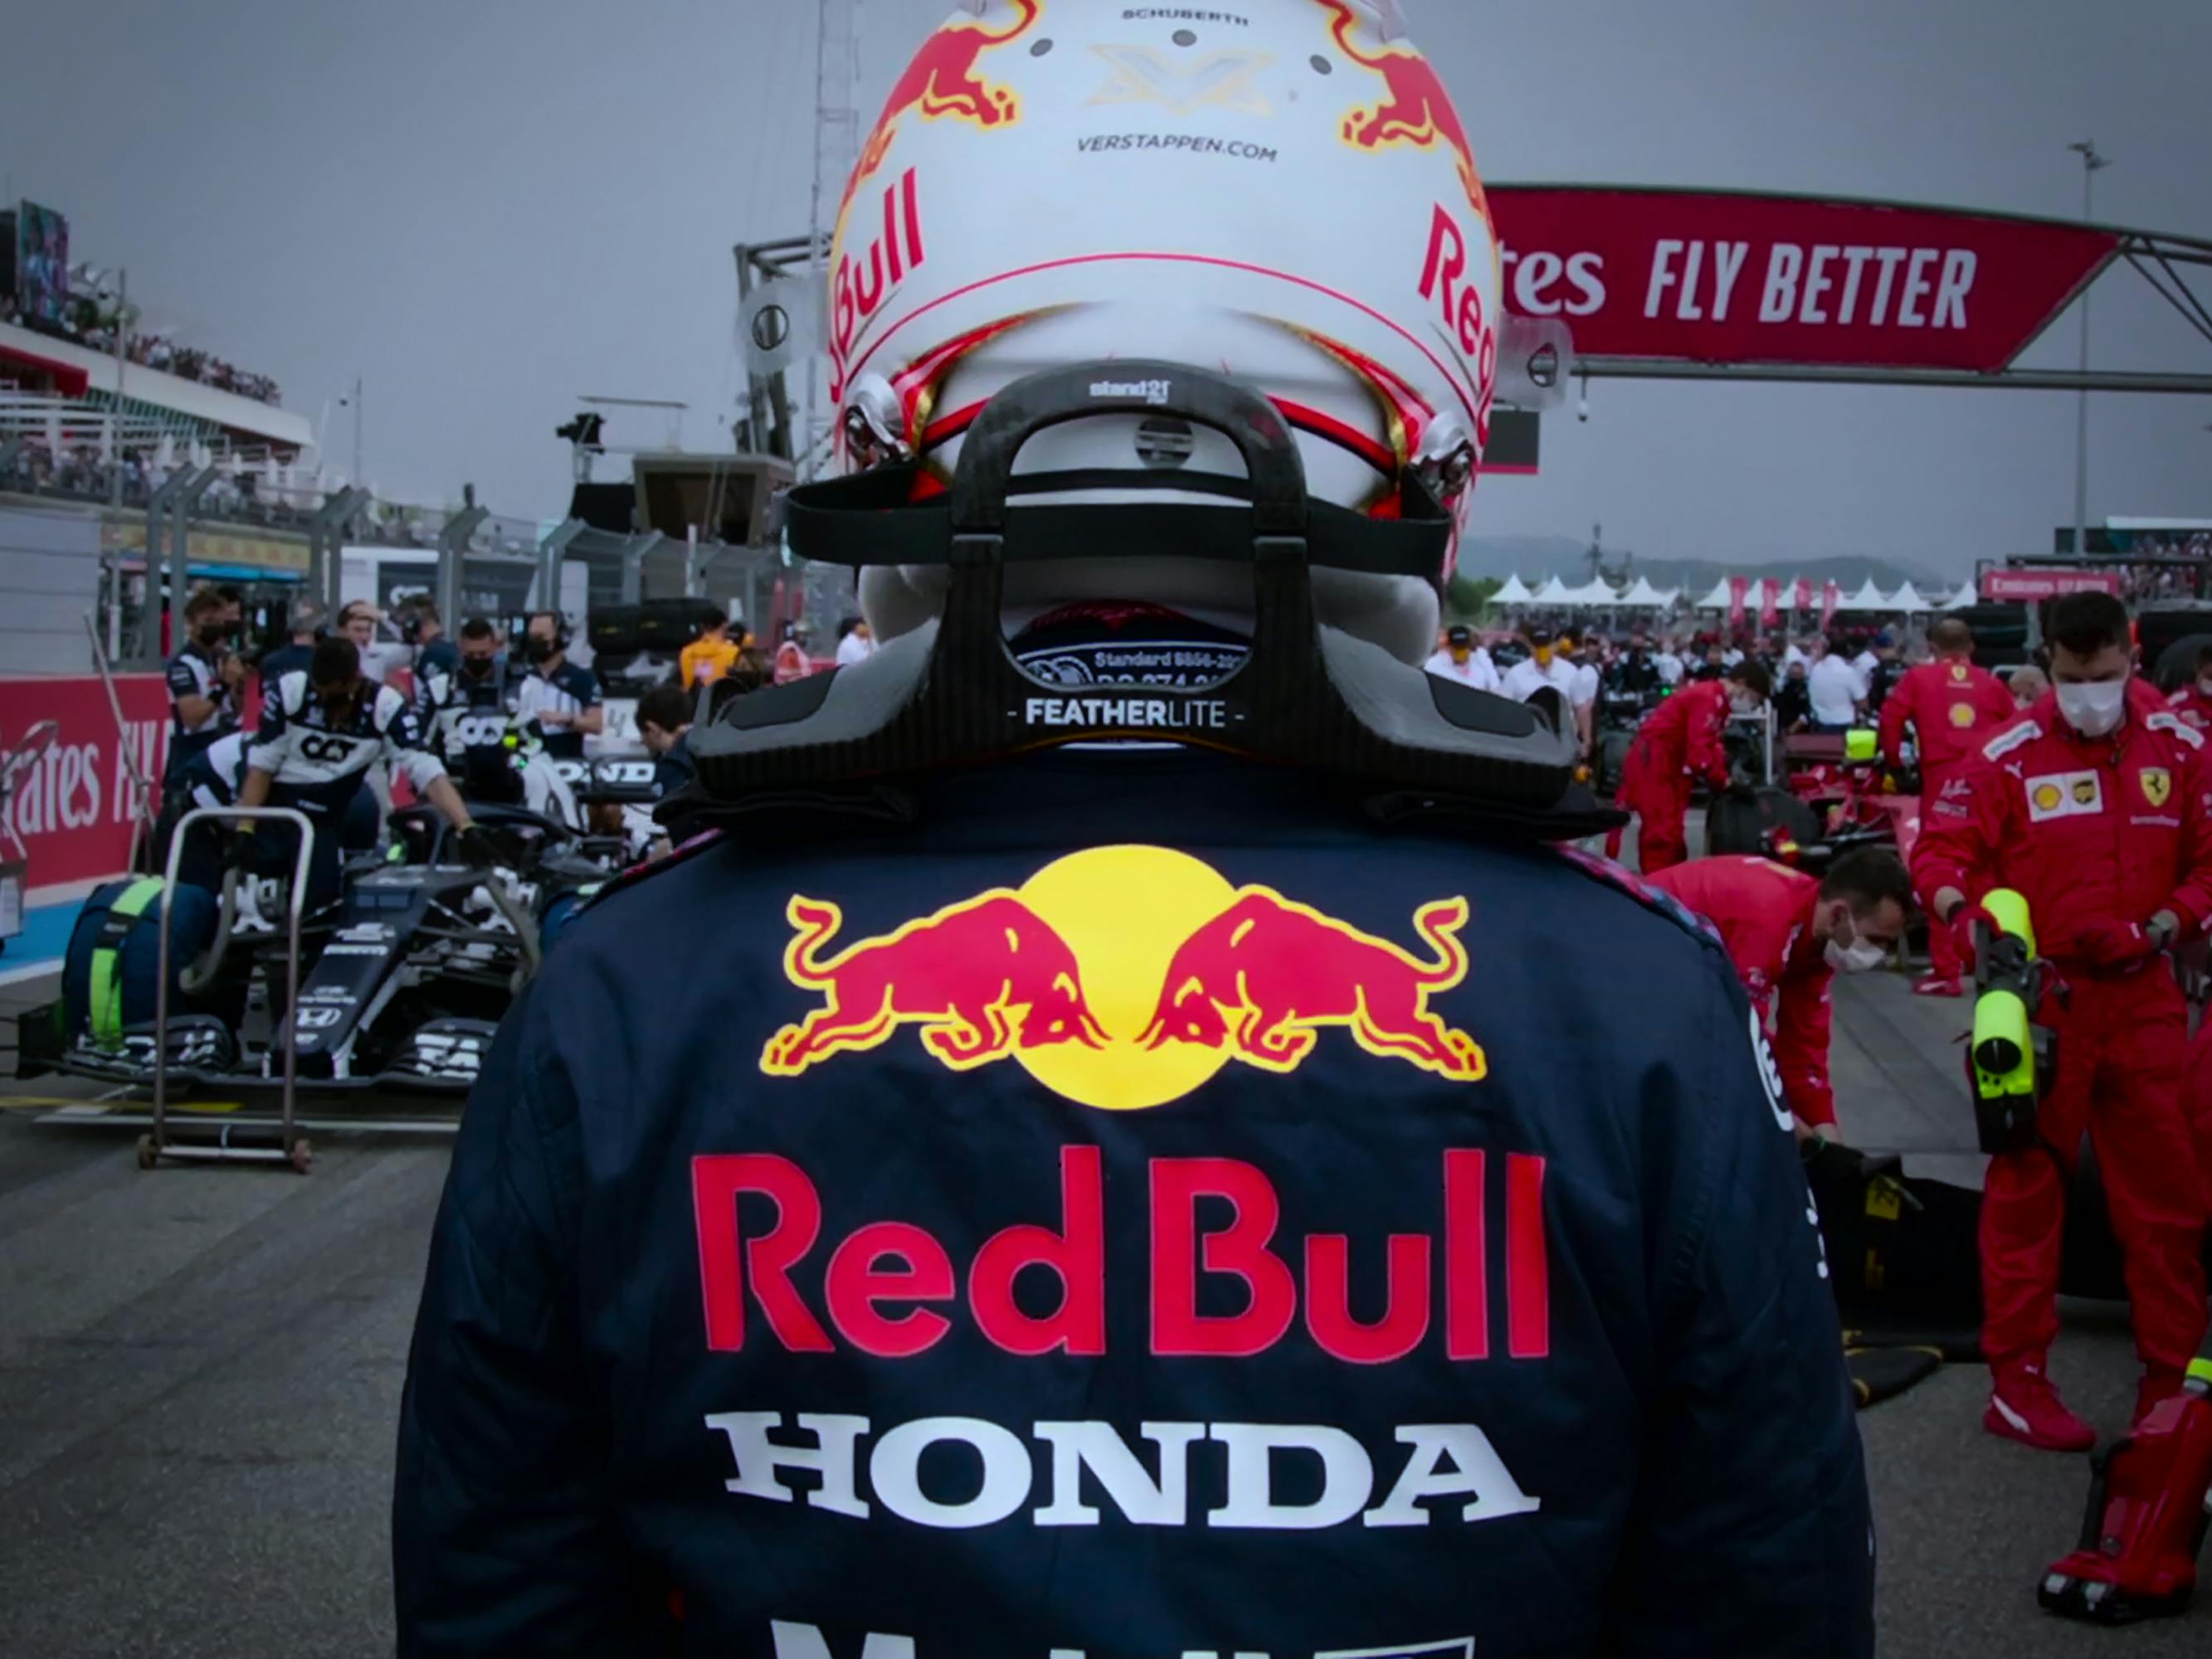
231, 1145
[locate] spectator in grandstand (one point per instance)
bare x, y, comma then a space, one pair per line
560, 695
856, 641
2028, 685
203, 677
710, 656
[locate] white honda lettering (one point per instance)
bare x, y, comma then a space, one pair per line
807, 1641
1347, 1476
895, 1471
1120, 1472
1475, 1471
758, 1457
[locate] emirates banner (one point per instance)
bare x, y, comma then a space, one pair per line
71, 813
2025, 587
1770, 602
1713, 276
1738, 587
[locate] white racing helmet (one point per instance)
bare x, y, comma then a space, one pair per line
1281, 193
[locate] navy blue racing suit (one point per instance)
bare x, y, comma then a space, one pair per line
320, 765
1142, 1211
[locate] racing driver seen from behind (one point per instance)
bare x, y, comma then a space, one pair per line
1132, 1174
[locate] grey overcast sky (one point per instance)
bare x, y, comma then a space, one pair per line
488, 207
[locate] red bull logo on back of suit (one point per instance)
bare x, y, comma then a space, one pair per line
1125, 977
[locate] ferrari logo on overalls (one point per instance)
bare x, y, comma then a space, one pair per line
2157, 785
1959, 672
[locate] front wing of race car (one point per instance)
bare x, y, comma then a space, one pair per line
435, 952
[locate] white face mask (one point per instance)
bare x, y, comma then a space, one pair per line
2205, 686
1857, 957
2094, 710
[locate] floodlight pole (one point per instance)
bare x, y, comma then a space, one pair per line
2092, 164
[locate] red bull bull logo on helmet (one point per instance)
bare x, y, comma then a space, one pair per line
1126, 977
1415, 110
943, 82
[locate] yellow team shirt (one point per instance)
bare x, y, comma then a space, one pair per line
707, 659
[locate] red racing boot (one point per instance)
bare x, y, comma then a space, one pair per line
2025, 1408
2157, 1387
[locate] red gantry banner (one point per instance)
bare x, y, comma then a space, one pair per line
1714, 277
71, 812
2026, 586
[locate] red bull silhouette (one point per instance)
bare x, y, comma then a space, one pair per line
942, 82
981, 978
1264, 976
1416, 110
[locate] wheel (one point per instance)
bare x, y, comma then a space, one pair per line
146, 1156
1734, 826
303, 1157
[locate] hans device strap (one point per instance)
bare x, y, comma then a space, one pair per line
1308, 695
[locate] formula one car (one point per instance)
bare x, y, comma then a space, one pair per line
401, 981
1836, 796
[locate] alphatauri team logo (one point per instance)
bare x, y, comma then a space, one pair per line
1125, 977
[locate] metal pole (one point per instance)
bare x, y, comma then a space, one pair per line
2091, 163
357, 428
115, 415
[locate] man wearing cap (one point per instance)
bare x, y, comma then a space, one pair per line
1463, 660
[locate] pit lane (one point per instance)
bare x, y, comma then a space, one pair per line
200, 1373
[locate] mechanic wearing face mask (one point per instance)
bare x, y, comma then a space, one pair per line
318, 738
463, 713
1680, 744
562, 697
2100, 815
1789, 934
205, 677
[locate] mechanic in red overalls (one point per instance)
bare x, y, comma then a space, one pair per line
1680, 742
1789, 934
2100, 815
1950, 704
2193, 702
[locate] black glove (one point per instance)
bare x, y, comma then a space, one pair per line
475, 848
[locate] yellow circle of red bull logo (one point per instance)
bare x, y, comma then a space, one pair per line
1126, 977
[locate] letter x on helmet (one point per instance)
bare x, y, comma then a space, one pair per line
1108, 284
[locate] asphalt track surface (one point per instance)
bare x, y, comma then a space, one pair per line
200, 1372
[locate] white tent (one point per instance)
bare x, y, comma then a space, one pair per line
1515, 591
1717, 599
1968, 594
1553, 592
1643, 597
1868, 597
1667, 596
1594, 594
1907, 599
